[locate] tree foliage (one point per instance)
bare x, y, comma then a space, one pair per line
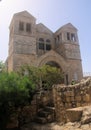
17, 89
14, 92
44, 76
2, 66
52, 75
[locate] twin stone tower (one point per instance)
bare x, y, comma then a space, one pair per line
36, 45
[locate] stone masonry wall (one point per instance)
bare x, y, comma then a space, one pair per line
28, 113
70, 97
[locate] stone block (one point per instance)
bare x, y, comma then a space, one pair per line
66, 105
61, 105
69, 105
85, 127
69, 93
68, 99
86, 116
74, 114
86, 98
72, 98
78, 98
78, 104
59, 99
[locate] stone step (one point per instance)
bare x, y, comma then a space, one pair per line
49, 109
41, 120
43, 113
74, 114
50, 104
50, 118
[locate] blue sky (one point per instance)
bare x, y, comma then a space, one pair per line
53, 14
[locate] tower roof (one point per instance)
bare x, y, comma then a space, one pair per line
24, 13
67, 26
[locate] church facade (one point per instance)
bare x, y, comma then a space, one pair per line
36, 45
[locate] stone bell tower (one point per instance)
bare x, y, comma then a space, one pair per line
22, 43
68, 46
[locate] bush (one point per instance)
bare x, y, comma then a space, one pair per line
14, 92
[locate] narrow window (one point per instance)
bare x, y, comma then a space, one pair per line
58, 37
41, 43
48, 45
73, 38
21, 26
28, 27
55, 40
68, 36
41, 46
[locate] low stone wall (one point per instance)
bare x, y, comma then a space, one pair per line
63, 97
43, 98
28, 113
70, 97
22, 116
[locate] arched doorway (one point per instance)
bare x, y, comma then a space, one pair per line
53, 59
55, 64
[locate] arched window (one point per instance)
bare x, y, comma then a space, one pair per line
48, 45
41, 43
48, 41
41, 39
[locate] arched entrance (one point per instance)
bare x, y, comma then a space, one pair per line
53, 64
54, 59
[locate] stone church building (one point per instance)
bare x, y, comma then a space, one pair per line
36, 45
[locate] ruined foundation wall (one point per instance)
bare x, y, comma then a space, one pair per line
70, 97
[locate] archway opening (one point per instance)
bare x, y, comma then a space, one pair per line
53, 64
65, 76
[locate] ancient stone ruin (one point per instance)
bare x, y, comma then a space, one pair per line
71, 110
62, 108
72, 96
